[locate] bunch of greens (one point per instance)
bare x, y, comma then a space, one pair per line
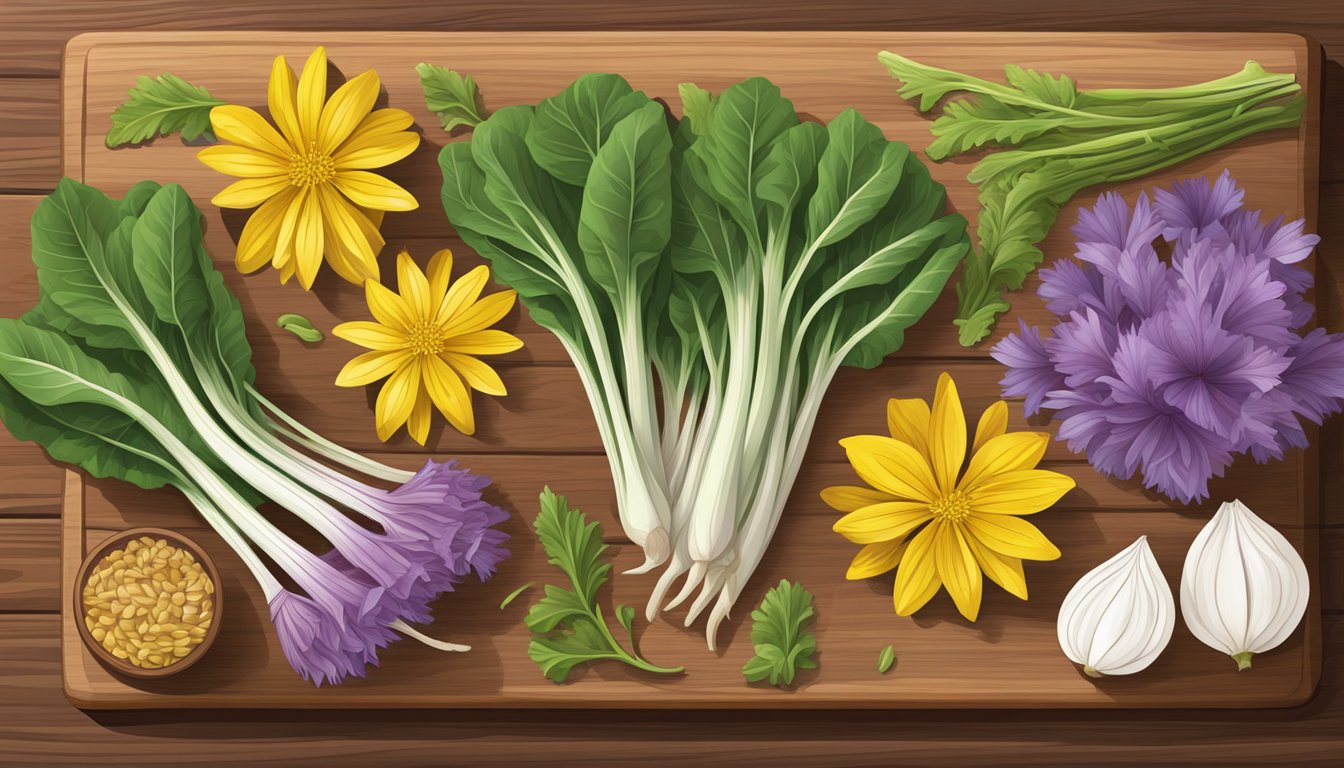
782, 647
569, 622
1066, 139
745, 252
134, 364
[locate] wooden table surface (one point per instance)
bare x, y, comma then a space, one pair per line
38, 726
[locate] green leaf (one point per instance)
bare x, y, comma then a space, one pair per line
161, 106
572, 126
856, 176
626, 616
697, 105
626, 218
782, 647
558, 654
452, 96
514, 595
885, 659
300, 326
573, 545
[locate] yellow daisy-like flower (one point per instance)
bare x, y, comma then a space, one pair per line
970, 519
425, 341
309, 180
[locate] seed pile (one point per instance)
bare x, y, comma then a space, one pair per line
149, 603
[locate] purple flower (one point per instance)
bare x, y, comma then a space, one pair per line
1031, 373
320, 647
1192, 205
1170, 367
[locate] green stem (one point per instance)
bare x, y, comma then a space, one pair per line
1243, 660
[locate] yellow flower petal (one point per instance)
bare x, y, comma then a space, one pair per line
243, 126
284, 242
375, 150
243, 162
370, 335
891, 466
958, 570
947, 434
881, 522
343, 112
387, 307
373, 191
917, 578
346, 232
281, 100
440, 276
412, 285
312, 94
462, 294
1011, 536
450, 395
382, 122
1005, 571
1005, 453
477, 374
249, 193
993, 422
847, 498
309, 241
417, 425
482, 314
908, 421
488, 342
396, 399
286, 271
1023, 492
876, 559
256, 245
369, 367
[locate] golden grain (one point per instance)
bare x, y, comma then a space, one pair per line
148, 603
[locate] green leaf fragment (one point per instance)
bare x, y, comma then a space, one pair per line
161, 106
569, 625
454, 97
885, 659
514, 595
782, 647
299, 326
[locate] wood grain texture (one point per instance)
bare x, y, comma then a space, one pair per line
39, 727
29, 132
543, 432
29, 565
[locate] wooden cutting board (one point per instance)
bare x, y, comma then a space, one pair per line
543, 431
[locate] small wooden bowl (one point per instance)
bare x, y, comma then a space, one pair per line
118, 540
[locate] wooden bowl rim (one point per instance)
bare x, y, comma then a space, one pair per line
96, 554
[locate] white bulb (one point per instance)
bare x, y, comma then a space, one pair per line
1244, 588
1119, 616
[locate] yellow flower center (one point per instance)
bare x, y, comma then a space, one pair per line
952, 507
307, 169
426, 338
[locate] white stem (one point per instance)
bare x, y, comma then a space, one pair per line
414, 634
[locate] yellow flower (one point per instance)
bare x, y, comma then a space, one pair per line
970, 525
424, 342
310, 180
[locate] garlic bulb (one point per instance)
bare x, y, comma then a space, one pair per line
1244, 588
1118, 618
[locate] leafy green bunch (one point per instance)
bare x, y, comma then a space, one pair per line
740, 255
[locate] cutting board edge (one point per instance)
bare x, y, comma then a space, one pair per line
74, 60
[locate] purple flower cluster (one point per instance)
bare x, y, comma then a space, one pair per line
1172, 366
437, 522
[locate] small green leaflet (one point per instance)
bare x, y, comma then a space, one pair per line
161, 106
782, 648
568, 623
299, 326
885, 659
514, 594
697, 104
453, 97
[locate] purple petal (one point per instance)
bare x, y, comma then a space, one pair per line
1109, 223
1030, 374
1314, 378
1192, 205
1081, 348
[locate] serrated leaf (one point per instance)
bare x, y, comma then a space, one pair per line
573, 545
161, 106
453, 97
557, 606
782, 647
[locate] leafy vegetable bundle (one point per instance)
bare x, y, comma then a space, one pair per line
1064, 139
747, 253
134, 364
